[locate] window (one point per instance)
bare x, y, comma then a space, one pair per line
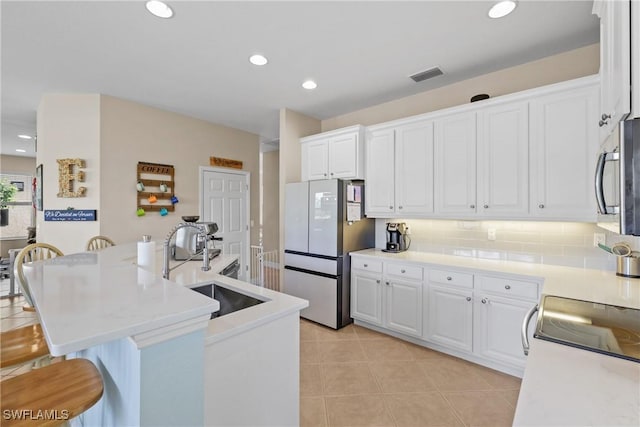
21, 212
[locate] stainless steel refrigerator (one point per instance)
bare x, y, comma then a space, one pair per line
324, 221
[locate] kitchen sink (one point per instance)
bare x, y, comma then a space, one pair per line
230, 301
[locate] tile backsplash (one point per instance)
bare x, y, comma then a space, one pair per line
559, 243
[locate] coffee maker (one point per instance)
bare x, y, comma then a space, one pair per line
190, 241
398, 239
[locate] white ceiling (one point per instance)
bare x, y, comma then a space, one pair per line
360, 53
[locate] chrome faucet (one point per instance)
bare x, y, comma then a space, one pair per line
202, 232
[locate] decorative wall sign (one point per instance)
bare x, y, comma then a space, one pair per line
66, 177
19, 185
70, 215
155, 188
225, 163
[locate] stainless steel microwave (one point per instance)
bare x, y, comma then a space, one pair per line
617, 180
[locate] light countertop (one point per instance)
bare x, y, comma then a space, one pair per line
562, 385
90, 298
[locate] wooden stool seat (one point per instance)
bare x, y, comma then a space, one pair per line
22, 345
51, 395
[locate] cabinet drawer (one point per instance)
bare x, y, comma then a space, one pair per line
406, 271
509, 287
454, 278
366, 264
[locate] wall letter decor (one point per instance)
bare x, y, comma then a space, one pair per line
66, 176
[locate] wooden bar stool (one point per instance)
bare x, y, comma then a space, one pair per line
51, 395
22, 345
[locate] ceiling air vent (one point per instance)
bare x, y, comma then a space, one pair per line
427, 74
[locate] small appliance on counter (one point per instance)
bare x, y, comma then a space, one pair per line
398, 239
189, 243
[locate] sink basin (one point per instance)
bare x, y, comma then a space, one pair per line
229, 300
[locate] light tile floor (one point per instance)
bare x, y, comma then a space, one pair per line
358, 377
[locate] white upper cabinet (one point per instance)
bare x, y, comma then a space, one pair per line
562, 156
455, 164
615, 63
414, 168
399, 163
503, 172
334, 154
380, 176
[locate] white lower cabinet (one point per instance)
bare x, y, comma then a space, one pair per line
366, 296
449, 319
471, 314
392, 299
498, 321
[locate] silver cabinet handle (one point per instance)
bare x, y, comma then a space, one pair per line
387, 283
331, 173
525, 327
378, 281
507, 287
541, 206
606, 116
366, 265
449, 278
468, 298
390, 207
484, 300
325, 174
486, 206
472, 206
403, 271
399, 207
603, 122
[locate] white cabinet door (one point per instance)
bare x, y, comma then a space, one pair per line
497, 328
455, 164
379, 181
503, 156
615, 63
366, 297
450, 317
343, 156
414, 168
404, 306
316, 155
563, 146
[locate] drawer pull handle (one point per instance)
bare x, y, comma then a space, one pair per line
403, 271
449, 278
468, 298
507, 287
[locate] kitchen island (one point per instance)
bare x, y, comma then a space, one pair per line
562, 385
164, 361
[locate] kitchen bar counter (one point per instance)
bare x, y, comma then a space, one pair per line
562, 385
164, 360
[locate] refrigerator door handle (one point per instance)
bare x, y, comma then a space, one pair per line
315, 273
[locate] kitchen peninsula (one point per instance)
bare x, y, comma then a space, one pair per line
162, 359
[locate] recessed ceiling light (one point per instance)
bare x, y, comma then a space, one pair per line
309, 84
159, 9
23, 136
502, 8
20, 150
258, 59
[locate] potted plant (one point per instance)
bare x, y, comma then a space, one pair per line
7, 194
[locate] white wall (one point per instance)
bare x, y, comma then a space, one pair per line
69, 127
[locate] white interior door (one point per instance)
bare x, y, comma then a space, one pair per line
225, 201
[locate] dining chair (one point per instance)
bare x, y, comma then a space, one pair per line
99, 242
31, 253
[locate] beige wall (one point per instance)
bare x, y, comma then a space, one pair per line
565, 66
113, 135
132, 132
69, 127
18, 165
271, 200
